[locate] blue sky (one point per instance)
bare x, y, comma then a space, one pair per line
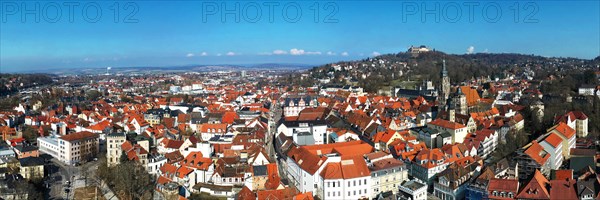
165, 33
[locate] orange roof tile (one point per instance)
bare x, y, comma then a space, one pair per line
78, 136
564, 129
447, 124
537, 153
553, 139
535, 188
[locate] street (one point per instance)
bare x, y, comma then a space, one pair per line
63, 179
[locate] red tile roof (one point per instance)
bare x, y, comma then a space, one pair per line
447, 124
503, 185
563, 174
536, 188
346, 169
537, 153
471, 94
564, 130
554, 140
563, 189
79, 136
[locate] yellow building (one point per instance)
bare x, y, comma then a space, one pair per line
32, 167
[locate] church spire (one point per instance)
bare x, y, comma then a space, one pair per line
444, 70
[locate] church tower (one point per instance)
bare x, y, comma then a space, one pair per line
451, 109
461, 102
445, 85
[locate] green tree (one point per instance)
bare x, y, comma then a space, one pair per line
30, 134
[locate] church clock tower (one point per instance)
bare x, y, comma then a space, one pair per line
445, 85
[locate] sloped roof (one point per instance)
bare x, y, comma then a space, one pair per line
536, 188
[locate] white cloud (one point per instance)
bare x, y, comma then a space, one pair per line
219, 54
86, 59
203, 54
375, 53
279, 52
231, 53
189, 55
344, 53
485, 51
297, 51
470, 50
330, 53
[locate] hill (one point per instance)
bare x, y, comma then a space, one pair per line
390, 70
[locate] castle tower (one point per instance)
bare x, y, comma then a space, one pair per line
113, 148
445, 84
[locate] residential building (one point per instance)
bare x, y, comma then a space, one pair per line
32, 167
451, 183
503, 189
530, 158
428, 163
457, 130
24, 151
413, 190
553, 145
331, 171
536, 187
304, 132
113, 148
567, 134
292, 105
386, 175
576, 120
72, 148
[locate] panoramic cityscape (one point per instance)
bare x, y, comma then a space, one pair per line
300, 100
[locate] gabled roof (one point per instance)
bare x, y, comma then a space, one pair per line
564, 130
503, 185
447, 124
536, 188
346, 169
537, 153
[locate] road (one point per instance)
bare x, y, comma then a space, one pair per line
275, 116
81, 176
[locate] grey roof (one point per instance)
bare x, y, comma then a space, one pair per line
22, 148
31, 161
579, 163
260, 170
305, 138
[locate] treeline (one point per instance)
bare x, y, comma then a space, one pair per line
10, 83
